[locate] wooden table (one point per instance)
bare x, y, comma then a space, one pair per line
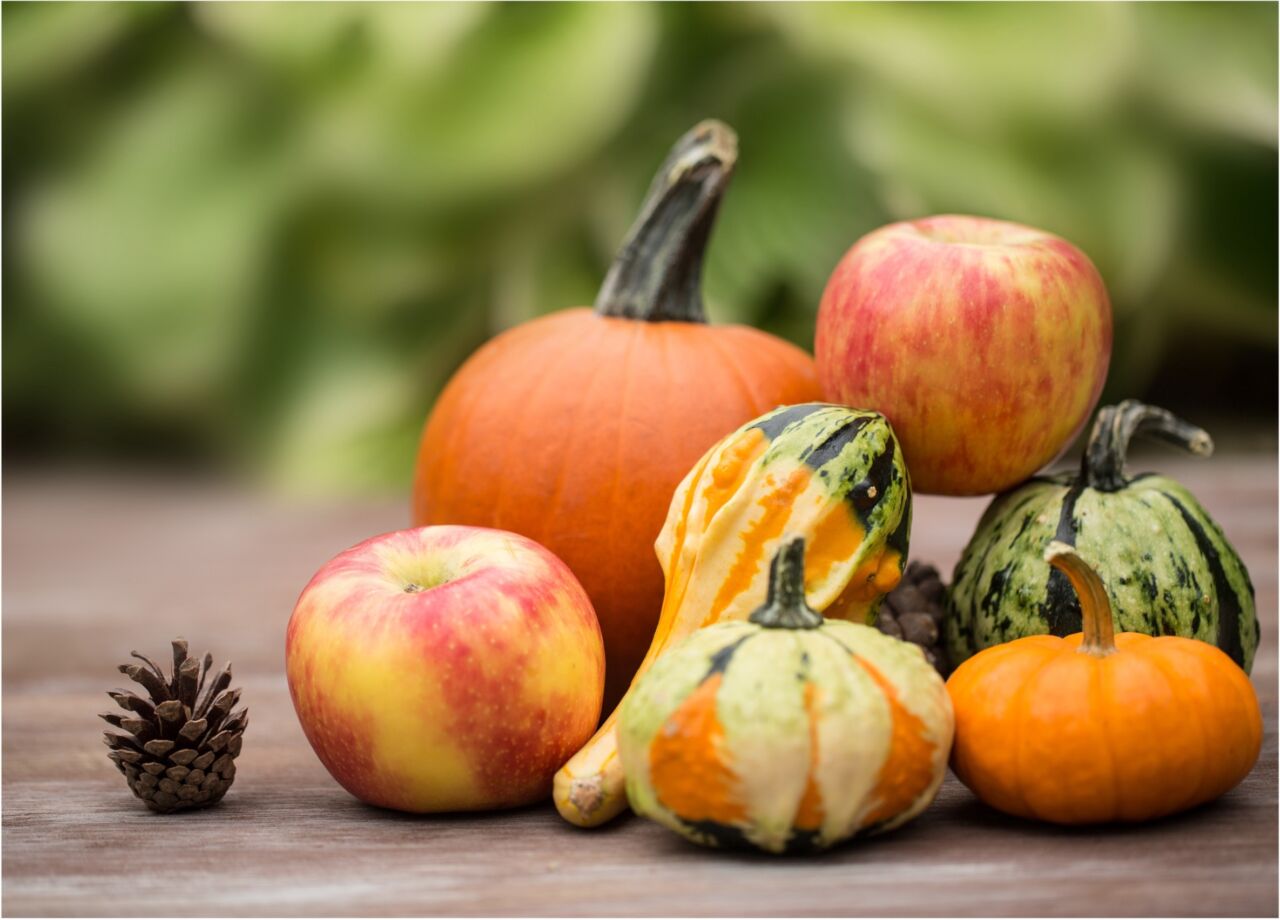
95, 566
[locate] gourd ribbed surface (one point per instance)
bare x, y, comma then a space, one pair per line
786, 740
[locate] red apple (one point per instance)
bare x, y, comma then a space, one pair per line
445, 668
984, 342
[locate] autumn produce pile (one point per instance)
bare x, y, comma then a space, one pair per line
692, 530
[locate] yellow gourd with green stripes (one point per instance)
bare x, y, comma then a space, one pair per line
830, 474
786, 732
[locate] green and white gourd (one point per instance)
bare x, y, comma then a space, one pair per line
1167, 567
787, 732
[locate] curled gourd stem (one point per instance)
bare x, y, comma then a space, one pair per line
786, 607
1095, 605
1104, 455
657, 274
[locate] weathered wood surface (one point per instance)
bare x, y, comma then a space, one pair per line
96, 566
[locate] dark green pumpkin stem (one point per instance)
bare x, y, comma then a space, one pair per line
785, 607
1103, 465
1095, 606
657, 274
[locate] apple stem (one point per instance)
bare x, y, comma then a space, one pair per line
657, 274
1102, 467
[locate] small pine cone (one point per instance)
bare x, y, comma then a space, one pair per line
913, 612
179, 745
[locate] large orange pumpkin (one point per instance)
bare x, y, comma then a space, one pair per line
574, 429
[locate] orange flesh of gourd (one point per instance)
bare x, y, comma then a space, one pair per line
810, 813
732, 469
727, 476
686, 762
889, 573
768, 526
682, 526
836, 538
908, 769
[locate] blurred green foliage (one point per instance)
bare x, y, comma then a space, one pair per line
263, 235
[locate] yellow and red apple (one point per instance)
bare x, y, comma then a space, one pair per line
984, 342
445, 668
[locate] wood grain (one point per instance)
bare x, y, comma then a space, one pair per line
95, 566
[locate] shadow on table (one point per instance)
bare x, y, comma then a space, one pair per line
952, 820
540, 814
966, 812
954, 823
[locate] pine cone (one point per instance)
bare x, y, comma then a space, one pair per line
181, 744
913, 611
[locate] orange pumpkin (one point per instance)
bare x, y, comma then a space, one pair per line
574, 429
1098, 727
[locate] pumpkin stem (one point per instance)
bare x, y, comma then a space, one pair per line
1103, 465
785, 607
657, 274
1095, 605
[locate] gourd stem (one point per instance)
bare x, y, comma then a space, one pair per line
785, 606
657, 274
1095, 605
1103, 465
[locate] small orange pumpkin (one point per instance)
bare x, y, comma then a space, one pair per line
1097, 727
574, 429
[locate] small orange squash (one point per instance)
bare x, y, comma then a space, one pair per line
573, 429
1098, 727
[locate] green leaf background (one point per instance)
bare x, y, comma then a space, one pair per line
260, 236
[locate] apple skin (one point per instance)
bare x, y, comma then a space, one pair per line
984, 342
467, 694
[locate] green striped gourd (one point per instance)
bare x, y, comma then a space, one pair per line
786, 732
830, 474
1167, 567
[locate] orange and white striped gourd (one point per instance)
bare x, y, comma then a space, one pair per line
786, 732
830, 474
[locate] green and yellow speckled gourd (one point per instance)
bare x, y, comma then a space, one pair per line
786, 732
830, 474
1167, 567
